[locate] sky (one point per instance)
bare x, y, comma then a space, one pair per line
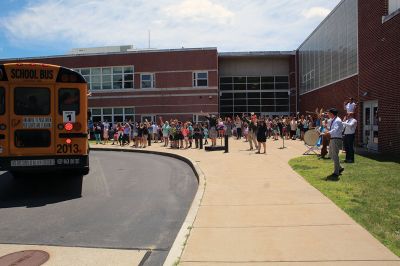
30, 28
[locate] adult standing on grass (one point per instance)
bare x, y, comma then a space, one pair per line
350, 125
335, 131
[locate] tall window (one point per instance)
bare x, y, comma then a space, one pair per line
147, 80
258, 94
330, 53
393, 6
200, 79
108, 78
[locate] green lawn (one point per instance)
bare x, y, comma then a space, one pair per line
369, 191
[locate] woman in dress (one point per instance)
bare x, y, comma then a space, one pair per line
165, 132
105, 135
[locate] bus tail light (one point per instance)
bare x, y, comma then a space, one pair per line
68, 141
68, 126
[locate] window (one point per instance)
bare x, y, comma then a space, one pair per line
254, 94
147, 81
32, 101
32, 138
394, 5
200, 79
113, 115
2, 101
108, 78
68, 100
331, 51
128, 77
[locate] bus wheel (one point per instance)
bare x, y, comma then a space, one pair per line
85, 171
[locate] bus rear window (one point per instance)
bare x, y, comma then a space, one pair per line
68, 100
32, 101
32, 138
2, 101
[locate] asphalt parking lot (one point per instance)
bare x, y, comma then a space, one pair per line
128, 201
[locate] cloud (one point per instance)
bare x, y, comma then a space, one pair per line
316, 12
199, 11
230, 25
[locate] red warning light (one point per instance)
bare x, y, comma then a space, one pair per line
68, 141
68, 126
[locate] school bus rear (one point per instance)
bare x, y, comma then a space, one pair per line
43, 118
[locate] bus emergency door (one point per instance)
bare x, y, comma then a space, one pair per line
31, 121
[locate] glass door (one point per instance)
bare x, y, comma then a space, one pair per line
371, 125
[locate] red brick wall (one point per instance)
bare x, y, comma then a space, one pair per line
330, 96
143, 61
174, 79
173, 71
379, 69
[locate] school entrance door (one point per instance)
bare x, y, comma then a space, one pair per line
370, 130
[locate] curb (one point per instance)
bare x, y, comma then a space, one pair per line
181, 238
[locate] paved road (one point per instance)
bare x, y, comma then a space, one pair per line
128, 201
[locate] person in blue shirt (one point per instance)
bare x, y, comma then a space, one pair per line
335, 131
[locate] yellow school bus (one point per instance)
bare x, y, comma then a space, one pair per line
43, 119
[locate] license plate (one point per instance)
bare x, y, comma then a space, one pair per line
27, 163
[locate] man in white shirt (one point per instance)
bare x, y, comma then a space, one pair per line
154, 134
350, 125
335, 131
350, 106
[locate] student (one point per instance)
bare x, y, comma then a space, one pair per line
238, 125
185, 134
252, 130
190, 135
145, 134
165, 132
105, 135
126, 134
261, 135
197, 135
245, 131
213, 128
154, 136
97, 133
293, 128
205, 134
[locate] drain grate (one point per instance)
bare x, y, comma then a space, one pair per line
25, 258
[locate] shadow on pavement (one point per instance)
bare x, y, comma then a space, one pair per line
35, 190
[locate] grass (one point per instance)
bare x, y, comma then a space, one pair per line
369, 191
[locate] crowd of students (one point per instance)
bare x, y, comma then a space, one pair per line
254, 129
187, 134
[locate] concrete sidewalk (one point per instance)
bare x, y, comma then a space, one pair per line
257, 210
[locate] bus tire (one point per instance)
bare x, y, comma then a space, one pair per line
85, 171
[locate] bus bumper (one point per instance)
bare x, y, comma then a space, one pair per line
44, 163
